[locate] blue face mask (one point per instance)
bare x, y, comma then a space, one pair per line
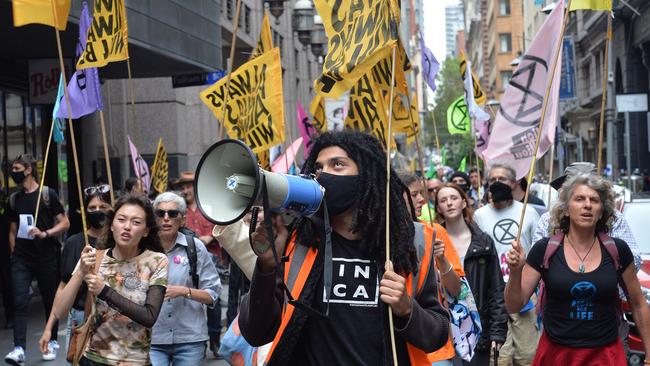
340, 191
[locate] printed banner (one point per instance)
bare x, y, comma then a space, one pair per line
41, 12
515, 129
255, 107
368, 112
107, 37
458, 121
317, 110
479, 95
335, 111
265, 43
360, 33
139, 166
591, 5
160, 169
57, 133
83, 89
430, 66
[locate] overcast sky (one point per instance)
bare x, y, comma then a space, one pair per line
434, 26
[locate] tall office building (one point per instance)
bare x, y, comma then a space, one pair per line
453, 23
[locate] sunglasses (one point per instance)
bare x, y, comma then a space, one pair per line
171, 213
100, 189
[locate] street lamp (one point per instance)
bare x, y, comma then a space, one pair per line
303, 20
318, 37
276, 7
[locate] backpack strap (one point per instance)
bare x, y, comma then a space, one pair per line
610, 246
552, 247
192, 257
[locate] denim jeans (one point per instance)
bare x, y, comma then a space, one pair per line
180, 354
75, 318
47, 277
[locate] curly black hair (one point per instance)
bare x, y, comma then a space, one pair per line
369, 218
151, 241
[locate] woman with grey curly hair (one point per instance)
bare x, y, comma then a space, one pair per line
581, 268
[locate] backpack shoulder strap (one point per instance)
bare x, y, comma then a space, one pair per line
610, 246
552, 247
192, 257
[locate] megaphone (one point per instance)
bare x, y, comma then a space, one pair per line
228, 183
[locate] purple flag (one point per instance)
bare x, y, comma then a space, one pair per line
430, 65
83, 88
140, 166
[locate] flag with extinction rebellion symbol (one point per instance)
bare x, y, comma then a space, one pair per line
515, 128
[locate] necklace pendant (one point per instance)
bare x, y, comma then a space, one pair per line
581, 268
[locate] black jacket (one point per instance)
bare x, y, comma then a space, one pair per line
483, 272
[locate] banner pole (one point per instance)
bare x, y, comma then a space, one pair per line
478, 171
388, 151
538, 132
231, 62
550, 175
72, 136
435, 130
603, 100
102, 125
40, 186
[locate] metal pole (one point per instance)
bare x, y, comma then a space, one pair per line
628, 156
610, 113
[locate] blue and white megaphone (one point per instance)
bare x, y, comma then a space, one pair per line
228, 184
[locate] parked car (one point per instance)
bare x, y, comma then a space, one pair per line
636, 212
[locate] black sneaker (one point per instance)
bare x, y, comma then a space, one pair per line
214, 346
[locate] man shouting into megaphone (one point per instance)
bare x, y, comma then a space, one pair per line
325, 301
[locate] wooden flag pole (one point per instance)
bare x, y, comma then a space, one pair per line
435, 130
388, 148
106, 156
603, 99
478, 171
233, 42
72, 136
538, 132
40, 186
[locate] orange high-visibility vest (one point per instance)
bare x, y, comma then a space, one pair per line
300, 264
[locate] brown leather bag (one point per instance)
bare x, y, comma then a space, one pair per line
81, 333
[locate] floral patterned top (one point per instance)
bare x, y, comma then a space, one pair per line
115, 338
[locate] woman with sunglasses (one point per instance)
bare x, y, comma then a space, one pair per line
128, 286
179, 336
97, 204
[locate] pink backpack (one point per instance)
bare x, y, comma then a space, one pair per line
554, 244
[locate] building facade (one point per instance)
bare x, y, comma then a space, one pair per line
453, 23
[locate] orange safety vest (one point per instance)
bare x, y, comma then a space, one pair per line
301, 261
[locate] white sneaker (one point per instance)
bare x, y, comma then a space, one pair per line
52, 347
16, 357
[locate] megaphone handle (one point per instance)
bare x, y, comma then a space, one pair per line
267, 221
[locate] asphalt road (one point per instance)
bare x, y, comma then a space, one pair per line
35, 327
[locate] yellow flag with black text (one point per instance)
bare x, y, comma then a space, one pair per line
107, 39
317, 110
41, 12
160, 169
360, 33
368, 111
254, 111
591, 5
265, 43
479, 95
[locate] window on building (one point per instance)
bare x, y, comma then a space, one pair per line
585, 79
504, 7
247, 19
505, 79
229, 9
598, 70
505, 42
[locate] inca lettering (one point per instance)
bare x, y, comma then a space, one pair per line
354, 282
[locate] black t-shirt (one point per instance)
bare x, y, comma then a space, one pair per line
37, 250
72, 249
352, 335
581, 309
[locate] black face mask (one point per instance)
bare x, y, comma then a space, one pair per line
18, 177
340, 191
97, 219
500, 192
